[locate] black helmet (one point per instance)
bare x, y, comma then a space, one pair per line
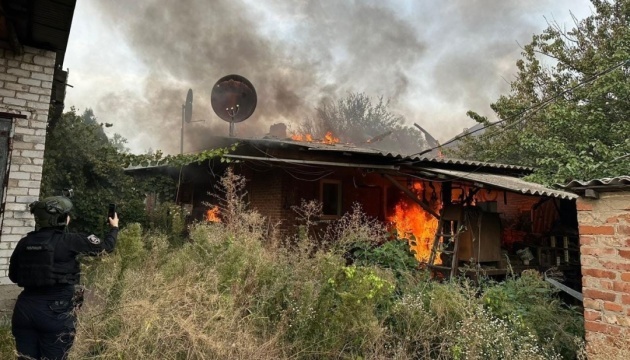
51, 212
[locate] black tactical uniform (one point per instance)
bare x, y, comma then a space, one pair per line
45, 264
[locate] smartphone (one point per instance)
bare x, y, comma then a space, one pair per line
111, 211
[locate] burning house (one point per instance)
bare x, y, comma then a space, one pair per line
459, 216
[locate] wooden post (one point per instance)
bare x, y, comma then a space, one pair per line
413, 196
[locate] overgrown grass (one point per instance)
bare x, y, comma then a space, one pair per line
225, 294
228, 291
7, 345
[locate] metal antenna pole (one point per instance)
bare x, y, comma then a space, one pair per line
232, 112
181, 145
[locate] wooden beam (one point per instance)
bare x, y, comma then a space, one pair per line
413, 196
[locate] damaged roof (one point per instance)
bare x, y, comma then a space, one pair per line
482, 174
504, 182
354, 149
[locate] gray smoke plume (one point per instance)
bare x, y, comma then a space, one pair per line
300, 53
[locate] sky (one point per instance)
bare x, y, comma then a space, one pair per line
133, 62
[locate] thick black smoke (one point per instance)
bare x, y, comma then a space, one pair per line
300, 53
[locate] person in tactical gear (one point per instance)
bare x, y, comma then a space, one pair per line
45, 264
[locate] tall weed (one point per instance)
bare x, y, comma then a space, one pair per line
226, 293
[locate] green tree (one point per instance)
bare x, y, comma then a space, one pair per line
79, 156
568, 112
358, 120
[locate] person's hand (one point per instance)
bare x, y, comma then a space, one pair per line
113, 222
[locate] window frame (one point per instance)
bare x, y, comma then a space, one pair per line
339, 187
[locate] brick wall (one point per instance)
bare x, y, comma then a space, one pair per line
605, 255
265, 194
25, 89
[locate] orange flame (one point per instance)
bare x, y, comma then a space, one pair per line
212, 215
300, 137
410, 219
329, 138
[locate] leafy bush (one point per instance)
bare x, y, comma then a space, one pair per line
530, 302
394, 255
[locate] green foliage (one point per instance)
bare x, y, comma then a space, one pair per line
394, 255
228, 291
130, 246
224, 293
157, 158
529, 302
581, 134
79, 156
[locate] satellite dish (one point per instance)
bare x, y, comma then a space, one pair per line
233, 99
188, 106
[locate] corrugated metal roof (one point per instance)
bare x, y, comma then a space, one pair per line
506, 182
351, 148
619, 181
473, 163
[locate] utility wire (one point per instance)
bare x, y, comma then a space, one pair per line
533, 108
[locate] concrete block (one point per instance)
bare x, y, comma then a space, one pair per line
33, 154
44, 99
35, 139
13, 222
38, 90
20, 160
31, 67
23, 214
27, 96
37, 124
29, 81
28, 184
8, 93
24, 130
6, 253
20, 175
16, 86
20, 230
12, 240
38, 105
41, 76
31, 168
12, 101
27, 199
8, 77
19, 72
22, 123
44, 61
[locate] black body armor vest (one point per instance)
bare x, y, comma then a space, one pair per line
37, 267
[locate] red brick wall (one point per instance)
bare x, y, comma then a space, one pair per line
605, 256
275, 193
265, 193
